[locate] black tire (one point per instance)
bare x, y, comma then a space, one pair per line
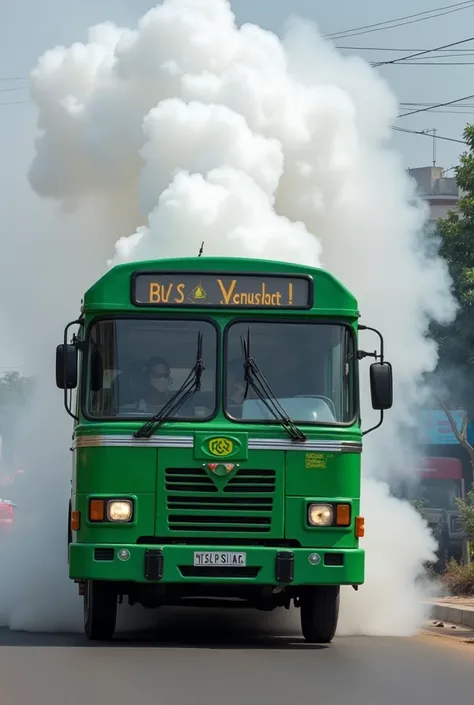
319, 613
100, 610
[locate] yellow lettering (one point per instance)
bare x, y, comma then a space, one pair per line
166, 294
290, 294
278, 295
258, 299
227, 294
236, 299
154, 295
180, 298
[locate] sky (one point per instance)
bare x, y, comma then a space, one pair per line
21, 45
29, 28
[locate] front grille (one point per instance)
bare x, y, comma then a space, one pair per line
104, 554
195, 503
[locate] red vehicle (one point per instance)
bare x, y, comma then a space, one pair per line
7, 516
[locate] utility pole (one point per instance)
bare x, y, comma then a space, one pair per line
433, 131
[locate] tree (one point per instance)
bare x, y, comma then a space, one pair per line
466, 511
15, 390
460, 434
456, 341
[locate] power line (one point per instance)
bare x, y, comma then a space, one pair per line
422, 53
459, 54
418, 17
386, 49
451, 111
438, 105
426, 134
9, 90
454, 112
407, 102
14, 102
436, 63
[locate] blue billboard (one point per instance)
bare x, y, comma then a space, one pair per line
435, 428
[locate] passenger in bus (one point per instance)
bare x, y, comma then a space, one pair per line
157, 384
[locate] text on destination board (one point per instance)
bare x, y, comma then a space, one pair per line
247, 291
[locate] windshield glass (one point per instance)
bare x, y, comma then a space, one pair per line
439, 494
309, 367
135, 365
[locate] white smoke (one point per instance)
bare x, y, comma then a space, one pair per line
189, 129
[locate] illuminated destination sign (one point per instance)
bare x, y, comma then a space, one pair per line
216, 290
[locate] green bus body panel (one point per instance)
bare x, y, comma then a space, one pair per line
116, 470
83, 565
188, 492
153, 478
112, 291
323, 474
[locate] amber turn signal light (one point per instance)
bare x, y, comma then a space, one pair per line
75, 521
96, 510
343, 515
359, 527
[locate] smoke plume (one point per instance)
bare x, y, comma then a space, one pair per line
188, 129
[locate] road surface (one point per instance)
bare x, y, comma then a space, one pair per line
231, 658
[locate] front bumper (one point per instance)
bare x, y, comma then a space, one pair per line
174, 564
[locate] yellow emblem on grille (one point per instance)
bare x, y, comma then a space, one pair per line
220, 446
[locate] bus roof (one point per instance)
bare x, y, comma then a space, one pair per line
441, 469
220, 283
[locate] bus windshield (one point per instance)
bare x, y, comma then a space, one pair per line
310, 367
136, 364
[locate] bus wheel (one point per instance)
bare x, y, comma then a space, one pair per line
319, 613
100, 610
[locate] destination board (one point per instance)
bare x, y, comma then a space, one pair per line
218, 290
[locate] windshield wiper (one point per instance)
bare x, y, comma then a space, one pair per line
256, 379
190, 386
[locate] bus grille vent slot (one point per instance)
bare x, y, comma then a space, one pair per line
104, 554
197, 503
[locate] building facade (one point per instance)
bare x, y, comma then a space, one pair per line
441, 192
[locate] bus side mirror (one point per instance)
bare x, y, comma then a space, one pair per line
381, 385
66, 366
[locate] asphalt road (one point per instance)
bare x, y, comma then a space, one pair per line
231, 658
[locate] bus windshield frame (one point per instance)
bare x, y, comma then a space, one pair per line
206, 402
348, 369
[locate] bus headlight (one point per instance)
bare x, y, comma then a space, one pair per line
120, 510
320, 514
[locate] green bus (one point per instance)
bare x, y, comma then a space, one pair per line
217, 439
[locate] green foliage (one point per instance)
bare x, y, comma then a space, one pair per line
456, 341
15, 390
466, 510
420, 506
459, 578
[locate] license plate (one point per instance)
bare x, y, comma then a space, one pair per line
223, 558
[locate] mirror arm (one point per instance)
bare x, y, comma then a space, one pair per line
75, 341
364, 433
361, 354
377, 332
